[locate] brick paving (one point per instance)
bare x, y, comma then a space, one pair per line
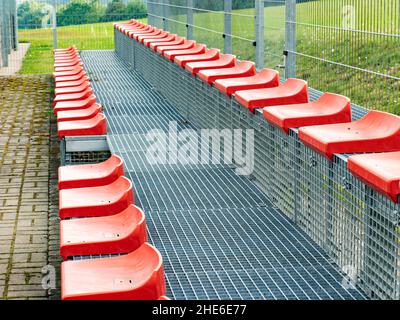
28, 232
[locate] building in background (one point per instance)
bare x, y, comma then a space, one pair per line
8, 30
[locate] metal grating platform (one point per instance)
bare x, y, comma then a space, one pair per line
219, 235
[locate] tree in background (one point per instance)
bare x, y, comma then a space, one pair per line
118, 10
30, 15
80, 12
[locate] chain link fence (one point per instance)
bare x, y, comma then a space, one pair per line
8, 30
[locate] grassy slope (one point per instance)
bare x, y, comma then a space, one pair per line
361, 50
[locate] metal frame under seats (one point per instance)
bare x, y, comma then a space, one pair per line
84, 150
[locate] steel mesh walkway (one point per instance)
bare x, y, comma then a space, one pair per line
220, 237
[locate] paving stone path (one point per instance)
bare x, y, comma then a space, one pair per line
28, 233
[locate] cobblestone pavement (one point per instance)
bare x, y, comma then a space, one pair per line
27, 238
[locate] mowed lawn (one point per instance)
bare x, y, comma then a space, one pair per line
318, 43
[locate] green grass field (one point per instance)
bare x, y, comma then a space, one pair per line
318, 46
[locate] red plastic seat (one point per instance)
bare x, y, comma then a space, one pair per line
148, 33
293, 91
211, 54
64, 69
379, 170
142, 38
196, 49
131, 32
243, 69
118, 234
136, 276
74, 105
90, 175
376, 132
65, 50
329, 108
68, 84
67, 62
80, 88
187, 44
266, 78
73, 96
77, 77
226, 61
65, 55
79, 114
168, 38
77, 70
96, 126
96, 201
177, 41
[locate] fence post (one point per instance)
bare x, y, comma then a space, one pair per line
54, 24
165, 13
290, 39
228, 26
189, 20
259, 29
15, 26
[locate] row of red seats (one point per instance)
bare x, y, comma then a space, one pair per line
325, 124
99, 217
75, 105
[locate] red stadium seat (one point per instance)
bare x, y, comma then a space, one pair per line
148, 33
75, 105
376, 132
381, 171
243, 69
73, 96
77, 89
161, 35
329, 108
177, 41
96, 201
168, 38
225, 61
196, 49
266, 78
68, 84
136, 276
90, 175
211, 54
187, 44
95, 126
293, 91
79, 114
76, 77
118, 234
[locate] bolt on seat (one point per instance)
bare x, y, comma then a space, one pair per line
90, 175
168, 38
196, 49
118, 234
209, 55
226, 61
76, 89
79, 114
176, 42
73, 96
266, 78
96, 126
381, 171
375, 132
293, 91
96, 201
138, 275
75, 105
329, 108
243, 69
187, 44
